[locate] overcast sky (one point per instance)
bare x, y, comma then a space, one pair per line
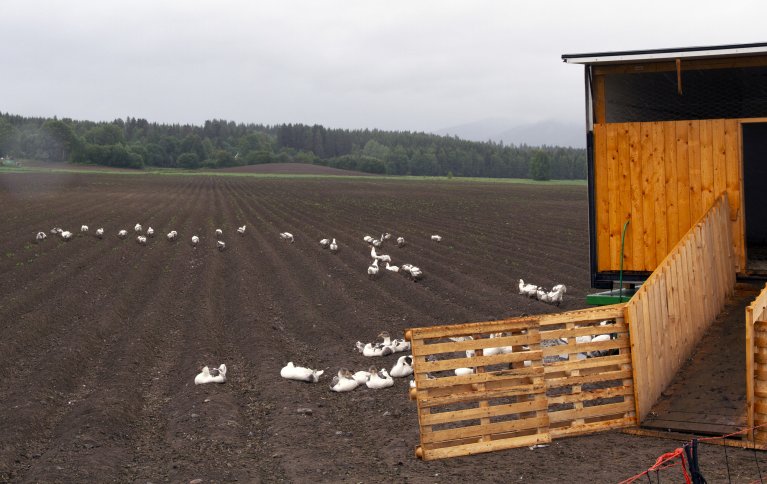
395, 65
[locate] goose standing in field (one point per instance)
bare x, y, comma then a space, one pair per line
150, 232
373, 269
100, 232
40, 236
141, 240
403, 367
220, 245
400, 241
219, 232
138, 228
122, 233
287, 236
66, 235
84, 229
344, 381
379, 379
324, 243
172, 235
195, 240
333, 246
241, 230
292, 372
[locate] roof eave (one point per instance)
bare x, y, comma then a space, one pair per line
665, 54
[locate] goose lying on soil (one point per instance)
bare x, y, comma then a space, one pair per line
403, 367
211, 375
172, 235
241, 230
220, 245
287, 236
83, 228
141, 240
150, 232
219, 232
361, 377
324, 243
292, 372
344, 381
137, 228
529, 290
40, 236
122, 234
66, 235
379, 379
400, 241
100, 232
195, 240
436, 238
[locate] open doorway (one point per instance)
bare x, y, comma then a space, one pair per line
755, 194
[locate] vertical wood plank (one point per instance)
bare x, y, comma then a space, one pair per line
659, 189
719, 154
636, 227
601, 197
648, 199
706, 164
734, 193
613, 176
672, 209
693, 160
683, 178
625, 192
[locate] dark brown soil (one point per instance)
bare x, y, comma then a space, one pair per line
293, 169
101, 339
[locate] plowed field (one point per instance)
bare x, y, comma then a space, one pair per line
101, 339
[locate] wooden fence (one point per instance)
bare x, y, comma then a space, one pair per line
678, 302
756, 366
521, 381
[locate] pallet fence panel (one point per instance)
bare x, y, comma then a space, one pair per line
756, 365
521, 381
663, 329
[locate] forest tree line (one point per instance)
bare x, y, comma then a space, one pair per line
135, 143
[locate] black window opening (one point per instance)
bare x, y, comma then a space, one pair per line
706, 94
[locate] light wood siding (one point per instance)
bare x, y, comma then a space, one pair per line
664, 176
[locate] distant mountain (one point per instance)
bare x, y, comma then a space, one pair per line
550, 133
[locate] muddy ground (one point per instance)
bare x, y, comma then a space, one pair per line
102, 338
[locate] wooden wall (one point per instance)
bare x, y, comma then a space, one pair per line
664, 176
676, 305
756, 366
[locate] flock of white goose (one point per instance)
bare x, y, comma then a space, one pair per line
374, 378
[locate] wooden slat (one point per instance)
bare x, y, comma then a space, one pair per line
683, 178
582, 380
481, 447
582, 315
672, 203
659, 191
453, 363
707, 163
477, 413
469, 395
613, 190
693, 159
601, 194
474, 378
636, 227
477, 430
468, 329
734, 193
719, 156
585, 347
624, 191
589, 412
589, 428
648, 197
584, 331
475, 344
602, 361
587, 396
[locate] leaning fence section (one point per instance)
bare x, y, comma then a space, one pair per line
672, 310
756, 366
522, 381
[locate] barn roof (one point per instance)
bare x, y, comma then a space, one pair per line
666, 54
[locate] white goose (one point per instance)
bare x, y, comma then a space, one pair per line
529, 290
172, 235
40, 236
219, 232
361, 377
287, 236
220, 245
84, 228
333, 246
293, 372
373, 269
150, 232
137, 228
241, 230
141, 240
66, 235
324, 243
391, 268
122, 233
208, 375
100, 232
195, 240
400, 241
436, 238
344, 381
403, 367
379, 379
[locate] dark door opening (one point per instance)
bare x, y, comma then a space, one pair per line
755, 194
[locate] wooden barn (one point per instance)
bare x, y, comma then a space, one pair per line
669, 131
677, 145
